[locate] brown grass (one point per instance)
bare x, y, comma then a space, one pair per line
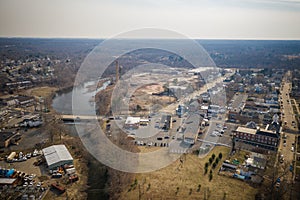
45, 92
187, 178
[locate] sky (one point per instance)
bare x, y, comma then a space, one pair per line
199, 19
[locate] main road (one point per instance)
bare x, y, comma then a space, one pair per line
172, 107
288, 115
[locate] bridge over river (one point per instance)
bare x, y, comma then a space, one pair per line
79, 117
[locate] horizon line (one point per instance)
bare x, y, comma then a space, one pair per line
156, 38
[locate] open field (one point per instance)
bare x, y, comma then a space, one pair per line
44, 92
187, 181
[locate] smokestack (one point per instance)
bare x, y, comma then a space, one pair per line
117, 71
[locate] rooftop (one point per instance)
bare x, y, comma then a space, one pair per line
56, 153
133, 120
246, 130
7, 181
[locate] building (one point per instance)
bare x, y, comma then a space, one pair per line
144, 122
132, 123
264, 138
180, 110
57, 155
189, 137
7, 181
257, 161
166, 122
191, 128
6, 138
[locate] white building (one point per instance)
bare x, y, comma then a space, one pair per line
132, 123
57, 155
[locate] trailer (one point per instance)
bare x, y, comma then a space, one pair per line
11, 156
70, 171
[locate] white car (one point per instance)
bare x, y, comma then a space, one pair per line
213, 134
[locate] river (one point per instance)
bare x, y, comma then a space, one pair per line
62, 103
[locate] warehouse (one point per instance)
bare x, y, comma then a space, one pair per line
57, 155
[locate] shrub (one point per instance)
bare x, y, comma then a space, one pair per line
199, 187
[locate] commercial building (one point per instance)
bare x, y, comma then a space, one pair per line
264, 138
132, 123
191, 128
57, 155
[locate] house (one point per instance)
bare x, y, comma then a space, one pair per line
56, 156
257, 160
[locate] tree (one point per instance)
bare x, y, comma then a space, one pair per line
206, 165
210, 177
210, 160
214, 165
220, 155
213, 156
138, 108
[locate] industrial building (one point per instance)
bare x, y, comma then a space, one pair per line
57, 155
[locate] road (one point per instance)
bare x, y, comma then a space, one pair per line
288, 119
172, 107
288, 116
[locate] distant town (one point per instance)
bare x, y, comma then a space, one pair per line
235, 127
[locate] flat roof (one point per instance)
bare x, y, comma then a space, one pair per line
189, 135
246, 130
7, 181
133, 120
56, 153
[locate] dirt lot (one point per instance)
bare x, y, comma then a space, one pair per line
143, 97
187, 181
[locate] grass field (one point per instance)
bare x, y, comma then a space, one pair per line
43, 91
187, 181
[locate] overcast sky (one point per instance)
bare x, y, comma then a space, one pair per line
217, 19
